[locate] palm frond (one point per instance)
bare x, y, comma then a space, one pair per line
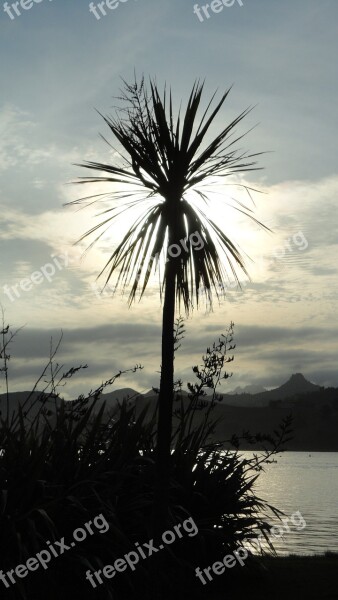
164, 158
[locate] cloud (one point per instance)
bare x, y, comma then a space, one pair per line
284, 317
264, 355
16, 147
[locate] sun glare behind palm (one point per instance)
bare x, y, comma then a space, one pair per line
161, 168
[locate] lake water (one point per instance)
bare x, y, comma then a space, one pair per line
308, 483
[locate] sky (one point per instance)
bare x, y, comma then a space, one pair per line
60, 67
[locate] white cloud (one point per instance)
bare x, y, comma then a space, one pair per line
17, 145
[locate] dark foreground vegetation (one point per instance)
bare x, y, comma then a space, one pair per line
292, 578
62, 464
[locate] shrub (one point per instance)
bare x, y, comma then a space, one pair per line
63, 463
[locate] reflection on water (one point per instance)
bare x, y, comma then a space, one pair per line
305, 482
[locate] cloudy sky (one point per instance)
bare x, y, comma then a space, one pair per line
59, 63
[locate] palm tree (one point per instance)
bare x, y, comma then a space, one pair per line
160, 159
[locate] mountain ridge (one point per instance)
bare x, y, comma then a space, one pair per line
315, 413
296, 385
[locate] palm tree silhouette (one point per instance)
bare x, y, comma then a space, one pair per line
163, 158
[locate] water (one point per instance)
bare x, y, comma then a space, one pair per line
308, 483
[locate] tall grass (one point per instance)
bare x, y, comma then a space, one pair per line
62, 463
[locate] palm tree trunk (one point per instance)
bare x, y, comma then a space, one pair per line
166, 397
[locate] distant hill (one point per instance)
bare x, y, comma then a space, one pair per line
314, 408
315, 415
296, 385
21, 398
113, 399
120, 395
257, 395
249, 389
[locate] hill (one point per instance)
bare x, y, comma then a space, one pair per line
314, 410
296, 385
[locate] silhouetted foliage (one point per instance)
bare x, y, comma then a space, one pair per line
72, 461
